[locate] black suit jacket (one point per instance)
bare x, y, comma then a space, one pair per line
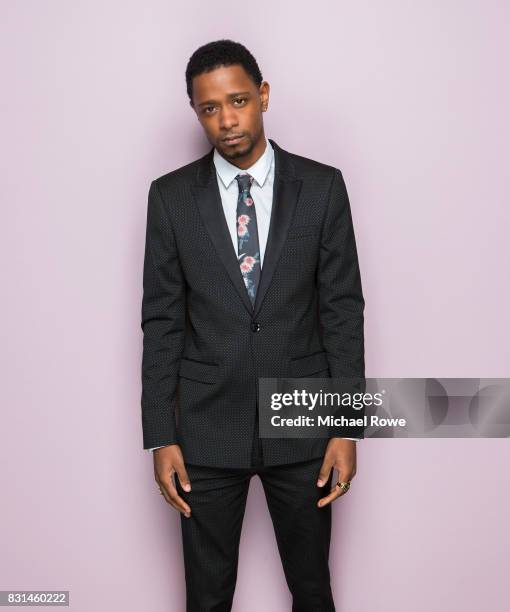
204, 346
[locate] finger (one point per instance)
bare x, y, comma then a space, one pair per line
324, 472
175, 506
345, 475
168, 488
169, 500
182, 474
182, 506
324, 501
336, 491
177, 502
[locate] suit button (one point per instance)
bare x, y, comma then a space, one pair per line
255, 326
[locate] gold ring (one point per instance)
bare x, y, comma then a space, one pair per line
344, 485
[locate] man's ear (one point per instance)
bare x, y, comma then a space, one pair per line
264, 94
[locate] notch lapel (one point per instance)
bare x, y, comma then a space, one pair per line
208, 200
286, 189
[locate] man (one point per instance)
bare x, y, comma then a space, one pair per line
250, 271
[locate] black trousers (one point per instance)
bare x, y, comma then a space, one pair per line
211, 535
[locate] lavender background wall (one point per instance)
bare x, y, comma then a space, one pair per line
410, 100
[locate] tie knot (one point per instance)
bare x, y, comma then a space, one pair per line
244, 181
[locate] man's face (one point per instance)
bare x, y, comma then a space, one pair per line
228, 104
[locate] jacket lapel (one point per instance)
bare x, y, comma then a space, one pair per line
208, 200
286, 189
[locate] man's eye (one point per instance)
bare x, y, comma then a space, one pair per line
207, 108
240, 100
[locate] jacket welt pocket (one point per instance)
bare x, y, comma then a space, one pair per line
309, 364
300, 231
198, 370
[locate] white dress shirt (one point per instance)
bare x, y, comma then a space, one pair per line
261, 191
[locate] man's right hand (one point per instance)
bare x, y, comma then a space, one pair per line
167, 461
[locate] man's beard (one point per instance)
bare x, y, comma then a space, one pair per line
232, 153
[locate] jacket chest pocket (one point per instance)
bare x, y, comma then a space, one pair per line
302, 231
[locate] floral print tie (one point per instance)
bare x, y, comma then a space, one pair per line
247, 236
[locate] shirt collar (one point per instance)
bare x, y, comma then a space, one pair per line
259, 170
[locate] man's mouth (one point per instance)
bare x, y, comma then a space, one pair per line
233, 140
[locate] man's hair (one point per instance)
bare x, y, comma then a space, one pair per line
222, 52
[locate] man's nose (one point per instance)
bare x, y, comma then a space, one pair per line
228, 119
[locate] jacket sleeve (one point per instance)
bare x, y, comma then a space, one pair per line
341, 302
163, 325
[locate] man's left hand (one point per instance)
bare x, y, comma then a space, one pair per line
341, 455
